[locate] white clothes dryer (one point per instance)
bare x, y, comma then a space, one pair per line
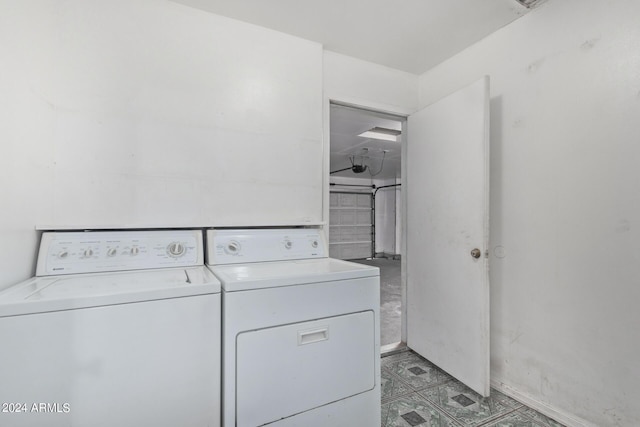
301, 340
119, 328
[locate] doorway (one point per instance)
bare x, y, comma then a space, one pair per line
444, 259
365, 202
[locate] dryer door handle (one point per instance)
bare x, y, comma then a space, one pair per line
310, 336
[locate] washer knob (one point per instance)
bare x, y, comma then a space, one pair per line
288, 244
134, 251
314, 244
112, 252
175, 249
63, 254
88, 253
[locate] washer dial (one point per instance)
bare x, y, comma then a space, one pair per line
176, 249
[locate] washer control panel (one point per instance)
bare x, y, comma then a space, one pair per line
101, 251
260, 245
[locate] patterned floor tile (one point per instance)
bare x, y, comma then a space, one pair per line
417, 372
514, 419
391, 386
384, 409
416, 393
540, 418
391, 358
468, 407
413, 410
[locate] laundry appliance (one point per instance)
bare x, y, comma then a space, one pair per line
300, 334
118, 328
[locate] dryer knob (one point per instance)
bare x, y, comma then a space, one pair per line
232, 248
288, 244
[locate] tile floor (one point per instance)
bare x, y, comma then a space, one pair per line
417, 393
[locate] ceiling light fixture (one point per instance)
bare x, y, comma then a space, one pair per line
384, 134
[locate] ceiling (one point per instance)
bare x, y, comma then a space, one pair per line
346, 124
409, 35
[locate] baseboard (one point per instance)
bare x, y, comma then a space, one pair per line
550, 411
389, 349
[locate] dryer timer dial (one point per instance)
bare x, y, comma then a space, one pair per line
232, 248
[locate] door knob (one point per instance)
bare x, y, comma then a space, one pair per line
476, 253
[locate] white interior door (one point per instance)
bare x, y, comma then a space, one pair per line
448, 226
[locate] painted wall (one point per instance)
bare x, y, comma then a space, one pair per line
148, 113
361, 83
565, 204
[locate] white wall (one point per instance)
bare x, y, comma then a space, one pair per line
370, 85
149, 113
565, 203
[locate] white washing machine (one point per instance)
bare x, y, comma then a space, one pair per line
118, 328
301, 340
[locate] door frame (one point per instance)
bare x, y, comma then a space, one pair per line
403, 114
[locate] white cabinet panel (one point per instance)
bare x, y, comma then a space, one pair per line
199, 120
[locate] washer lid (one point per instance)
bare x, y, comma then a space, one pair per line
260, 275
43, 294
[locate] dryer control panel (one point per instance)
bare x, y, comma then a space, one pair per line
101, 251
260, 245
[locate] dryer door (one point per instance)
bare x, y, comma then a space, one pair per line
285, 370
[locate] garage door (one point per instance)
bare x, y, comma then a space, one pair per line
350, 225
